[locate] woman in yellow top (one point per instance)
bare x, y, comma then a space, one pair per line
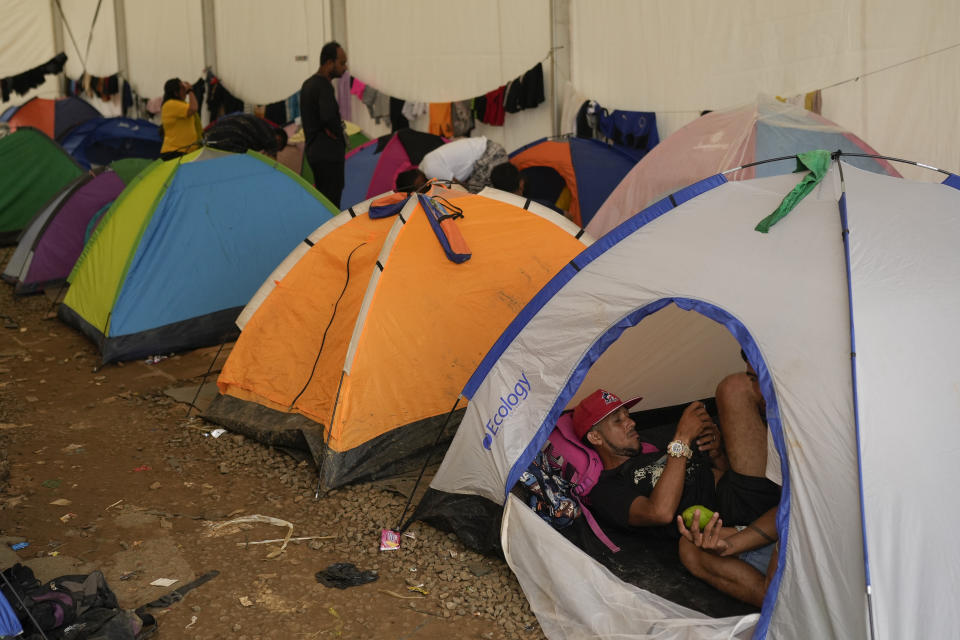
179, 117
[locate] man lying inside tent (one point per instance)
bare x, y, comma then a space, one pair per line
642, 489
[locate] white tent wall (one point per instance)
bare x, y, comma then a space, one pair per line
719, 55
164, 40
258, 42
447, 50
26, 41
903, 247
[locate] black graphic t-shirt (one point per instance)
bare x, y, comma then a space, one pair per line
617, 488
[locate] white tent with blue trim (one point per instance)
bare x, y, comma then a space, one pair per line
847, 309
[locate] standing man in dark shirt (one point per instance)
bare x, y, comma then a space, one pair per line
322, 126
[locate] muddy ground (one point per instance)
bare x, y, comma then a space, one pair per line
106, 471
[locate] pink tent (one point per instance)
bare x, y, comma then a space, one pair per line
724, 140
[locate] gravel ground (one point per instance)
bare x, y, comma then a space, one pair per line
145, 484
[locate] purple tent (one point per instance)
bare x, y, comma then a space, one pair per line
52, 242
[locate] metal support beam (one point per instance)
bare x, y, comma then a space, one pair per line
209, 35
560, 60
120, 21
58, 44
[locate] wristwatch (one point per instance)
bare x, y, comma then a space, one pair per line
677, 449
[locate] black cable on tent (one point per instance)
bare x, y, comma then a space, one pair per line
323, 340
313, 372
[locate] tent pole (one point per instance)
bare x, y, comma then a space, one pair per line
58, 44
842, 154
326, 444
426, 463
203, 380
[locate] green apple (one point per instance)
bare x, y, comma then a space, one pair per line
705, 515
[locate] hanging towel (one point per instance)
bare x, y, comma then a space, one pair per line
441, 123
397, 119
358, 87
493, 114
293, 106
480, 107
276, 112
512, 102
532, 93
461, 114
413, 110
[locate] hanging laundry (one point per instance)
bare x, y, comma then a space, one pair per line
493, 114
532, 92
154, 105
634, 131
397, 119
413, 110
441, 123
126, 98
357, 88
199, 89
293, 106
343, 96
221, 102
512, 102
461, 114
378, 104
480, 107
23, 82
276, 112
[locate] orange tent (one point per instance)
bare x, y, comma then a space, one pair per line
589, 169
53, 117
368, 327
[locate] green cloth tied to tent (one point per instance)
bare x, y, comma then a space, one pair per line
817, 162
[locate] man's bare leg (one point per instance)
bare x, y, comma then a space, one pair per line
740, 404
727, 574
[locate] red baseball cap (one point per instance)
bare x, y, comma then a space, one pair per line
594, 408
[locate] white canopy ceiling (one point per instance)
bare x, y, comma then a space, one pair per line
674, 57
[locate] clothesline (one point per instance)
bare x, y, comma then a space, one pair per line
523, 92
